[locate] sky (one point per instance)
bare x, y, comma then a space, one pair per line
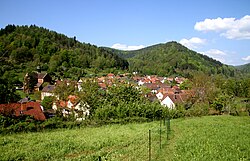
217, 28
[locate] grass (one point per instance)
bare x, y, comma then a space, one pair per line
113, 142
202, 138
211, 138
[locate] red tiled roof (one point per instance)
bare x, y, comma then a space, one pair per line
29, 108
110, 75
102, 85
166, 90
73, 99
177, 98
152, 86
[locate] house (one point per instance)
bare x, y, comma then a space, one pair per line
179, 80
170, 100
72, 106
167, 102
47, 91
152, 86
33, 81
28, 108
79, 85
159, 96
24, 100
43, 77
102, 86
111, 75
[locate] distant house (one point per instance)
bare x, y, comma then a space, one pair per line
141, 82
111, 75
28, 108
152, 86
159, 96
167, 101
102, 85
24, 100
43, 77
170, 100
72, 106
47, 91
33, 81
179, 80
79, 85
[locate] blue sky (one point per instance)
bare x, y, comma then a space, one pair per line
217, 28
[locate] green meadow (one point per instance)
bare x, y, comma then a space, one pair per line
200, 138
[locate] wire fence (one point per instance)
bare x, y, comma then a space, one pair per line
146, 145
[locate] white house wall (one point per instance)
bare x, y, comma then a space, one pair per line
168, 102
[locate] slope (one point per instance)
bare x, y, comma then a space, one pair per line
244, 68
172, 58
23, 48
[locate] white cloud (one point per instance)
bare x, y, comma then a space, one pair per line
246, 58
216, 54
126, 47
193, 43
230, 28
218, 24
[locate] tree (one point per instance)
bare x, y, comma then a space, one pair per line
64, 89
91, 94
48, 102
30, 80
7, 91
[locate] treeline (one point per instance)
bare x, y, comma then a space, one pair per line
173, 58
24, 48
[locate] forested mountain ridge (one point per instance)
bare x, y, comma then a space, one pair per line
24, 48
244, 68
172, 58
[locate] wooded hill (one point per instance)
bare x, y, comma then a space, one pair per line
244, 68
172, 58
24, 48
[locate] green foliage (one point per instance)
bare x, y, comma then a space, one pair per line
172, 59
13, 124
245, 69
237, 87
7, 89
210, 138
26, 47
64, 89
48, 102
186, 85
123, 100
91, 94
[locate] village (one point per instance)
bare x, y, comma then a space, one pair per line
166, 90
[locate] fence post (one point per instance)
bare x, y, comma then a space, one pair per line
168, 128
160, 133
149, 145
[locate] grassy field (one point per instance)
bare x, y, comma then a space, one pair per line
211, 138
201, 138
